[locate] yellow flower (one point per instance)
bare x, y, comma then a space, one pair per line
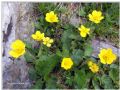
96, 16
18, 49
38, 36
51, 17
47, 41
93, 66
84, 31
107, 56
66, 63
90, 63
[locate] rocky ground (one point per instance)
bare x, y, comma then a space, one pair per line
17, 19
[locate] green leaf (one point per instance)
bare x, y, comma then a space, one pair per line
46, 63
88, 50
81, 12
74, 36
80, 79
77, 56
114, 74
59, 53
95, 83
107, 82
62, 9
114, 66
65, 39
29, 57
68, 78
30, 48
32, 74
65, 52
51, 82
38, 84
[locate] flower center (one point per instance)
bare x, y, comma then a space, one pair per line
52, 18
96, 17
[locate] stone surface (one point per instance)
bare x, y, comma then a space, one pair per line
17, 19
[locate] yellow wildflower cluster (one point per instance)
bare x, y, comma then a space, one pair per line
66, 63
18, 49
107, 56
95, 17
38, 36
93, 66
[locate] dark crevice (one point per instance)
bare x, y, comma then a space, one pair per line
9, 29
6, 35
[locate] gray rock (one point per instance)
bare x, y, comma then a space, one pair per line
17, 19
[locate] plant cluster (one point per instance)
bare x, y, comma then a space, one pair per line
63, 58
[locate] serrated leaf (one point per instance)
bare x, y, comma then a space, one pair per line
80, 79
114, 74
59, 53
81, 12
29, 57
62, 9
51, 82
88, 50
107, 82
32, 74
68, 78
44, 65
74, 36
38, 84
77, 56
66, 40
65, 52
95, 83
114, 66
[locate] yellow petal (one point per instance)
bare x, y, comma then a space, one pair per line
44, 43
83, 34
99, 13
34, 36
102, 60
51, 13
51, 41
94, 13
48, 45
90, 16
13, 54
38, 33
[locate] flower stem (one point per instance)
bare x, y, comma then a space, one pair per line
40, 50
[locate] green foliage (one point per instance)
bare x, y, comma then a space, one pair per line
95, 83
77, 56
32, 74
29, 57
82, 78
82, 12
38, 84
88, 50
45, 63
51, 82
107, 82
